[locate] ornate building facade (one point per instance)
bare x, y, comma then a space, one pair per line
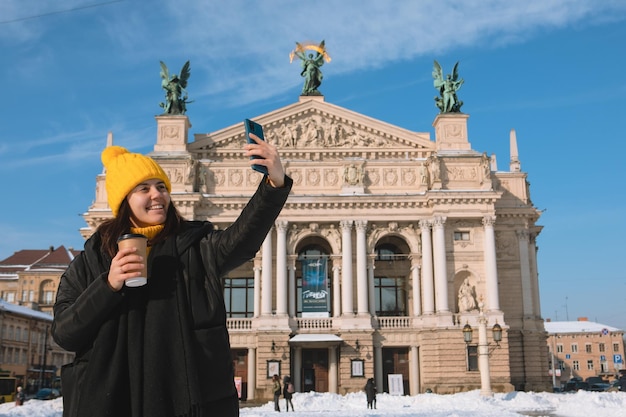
388, 245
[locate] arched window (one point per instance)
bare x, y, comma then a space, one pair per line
390, 291
313, 289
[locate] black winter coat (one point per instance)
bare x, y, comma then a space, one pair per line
161, 350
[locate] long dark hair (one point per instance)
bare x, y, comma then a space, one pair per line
110, 230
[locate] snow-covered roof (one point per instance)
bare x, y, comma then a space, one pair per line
577, 327
24, 311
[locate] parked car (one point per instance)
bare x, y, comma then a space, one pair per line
595, 380
614, 386
599, 387
576, 385
47, 394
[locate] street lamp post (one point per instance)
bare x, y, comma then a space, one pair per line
483, 349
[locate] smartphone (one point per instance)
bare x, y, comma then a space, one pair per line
257, 129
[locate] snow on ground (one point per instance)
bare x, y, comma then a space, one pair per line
467, 404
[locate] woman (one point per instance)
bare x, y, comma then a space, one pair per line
370, 393
288, 391
276, 390
161, 350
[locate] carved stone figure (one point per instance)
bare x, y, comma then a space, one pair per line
467, 297
424, 175
448, 101
353, 175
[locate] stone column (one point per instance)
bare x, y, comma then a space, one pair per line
534, 274
415, 281
440, 261
281, 267
297, 367
527, 293
336, 288
427, 269
361, 267
346, 268
332, 370
371, 268
257, 289
414, 377
266, 276
292, 294
251, 373
378, 366
491, 270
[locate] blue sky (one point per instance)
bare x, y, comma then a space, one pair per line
553, 70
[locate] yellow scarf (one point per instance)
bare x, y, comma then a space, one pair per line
150, 232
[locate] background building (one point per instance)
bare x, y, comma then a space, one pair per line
583, 348
28, 283
388, 245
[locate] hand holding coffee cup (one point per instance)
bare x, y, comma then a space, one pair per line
138, 243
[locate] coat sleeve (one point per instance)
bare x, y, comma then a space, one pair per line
83, 303
241, 241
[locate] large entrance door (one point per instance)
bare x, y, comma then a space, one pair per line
240, 368
396, 361
314, 370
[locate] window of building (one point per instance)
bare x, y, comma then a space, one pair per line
25, 295
31, 295
561, 365
390, 295
48, 297
590, 365
575, 366
574, 348
602, 347
588, 347
615, 347
314, 252
559, 348
239, 297
472, 358
462, 236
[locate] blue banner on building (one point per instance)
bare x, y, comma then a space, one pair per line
315, 296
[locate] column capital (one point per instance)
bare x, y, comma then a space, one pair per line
439, 221
424, 224
360, 225
281, 225
346, 224
489, 221
523, 234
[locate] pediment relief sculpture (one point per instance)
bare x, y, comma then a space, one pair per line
318, 131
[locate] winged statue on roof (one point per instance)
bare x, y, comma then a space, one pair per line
175, 89
311, 65
447, 101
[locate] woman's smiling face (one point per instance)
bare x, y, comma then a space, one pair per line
148, 203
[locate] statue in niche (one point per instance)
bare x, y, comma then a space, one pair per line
175, 89
467, 297
448, 101
203, 179
433, 165
424, 175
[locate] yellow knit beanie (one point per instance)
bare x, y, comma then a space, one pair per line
125, 170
